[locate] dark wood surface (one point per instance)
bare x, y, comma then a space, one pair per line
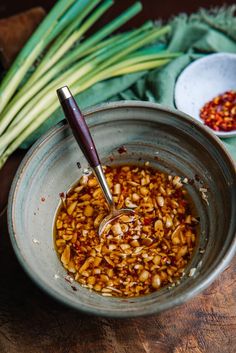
152, 9
32, 322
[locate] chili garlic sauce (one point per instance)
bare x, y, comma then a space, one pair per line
135, 255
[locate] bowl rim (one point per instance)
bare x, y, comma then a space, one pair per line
182, 298
189, 67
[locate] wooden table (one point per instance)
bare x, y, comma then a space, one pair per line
152, 9
32, 322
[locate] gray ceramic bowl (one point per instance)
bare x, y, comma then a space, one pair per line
172, 142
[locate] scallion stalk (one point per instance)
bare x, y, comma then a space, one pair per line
77, 70
70, 58
30, 52
115, 55
77, 53
69, 36
39, 118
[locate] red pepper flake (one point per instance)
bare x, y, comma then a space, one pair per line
122, 149
197, 177
74, 288
147, 221
42, 199
68, 278
190, 181
220, 113
62, 194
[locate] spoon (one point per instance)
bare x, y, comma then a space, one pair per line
83, 137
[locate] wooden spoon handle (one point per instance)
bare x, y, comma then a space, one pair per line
78, 125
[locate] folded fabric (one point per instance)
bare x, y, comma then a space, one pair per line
202, 33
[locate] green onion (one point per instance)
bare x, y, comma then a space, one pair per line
91, 61
71, 57
97, 57
63, 43
30, 52
78, 52
96, 65
69, 16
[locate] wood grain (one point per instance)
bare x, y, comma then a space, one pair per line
31, 322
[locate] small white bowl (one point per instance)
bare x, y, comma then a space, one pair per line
203, 80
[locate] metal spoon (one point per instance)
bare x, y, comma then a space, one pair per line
83, 137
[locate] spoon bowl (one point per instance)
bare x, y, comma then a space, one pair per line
112, 216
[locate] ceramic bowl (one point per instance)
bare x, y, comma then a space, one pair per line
203, 80
171, 142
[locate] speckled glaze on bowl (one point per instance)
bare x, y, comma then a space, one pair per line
170, 141
203, 80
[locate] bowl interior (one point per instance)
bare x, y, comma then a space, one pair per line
170, 142
203, 80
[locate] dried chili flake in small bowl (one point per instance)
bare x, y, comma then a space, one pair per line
220, 113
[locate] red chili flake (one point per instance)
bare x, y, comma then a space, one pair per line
164, 259
62, 194
190, 181
122, 149
220, 113
147, 221
42, 199
197, 177
74, 288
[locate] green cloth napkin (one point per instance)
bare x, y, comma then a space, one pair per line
202, 33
